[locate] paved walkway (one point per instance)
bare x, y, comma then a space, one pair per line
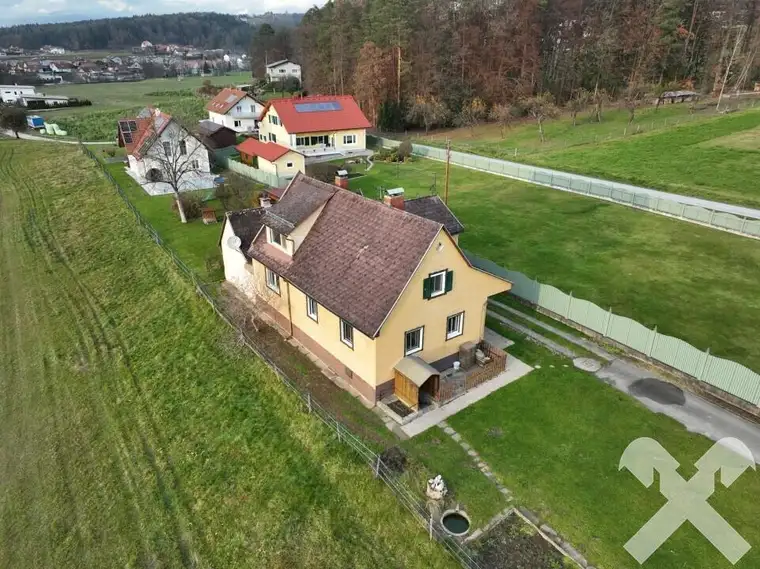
515, 370
26, 136
652, 389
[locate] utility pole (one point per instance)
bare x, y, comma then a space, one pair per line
398, 76
448, 170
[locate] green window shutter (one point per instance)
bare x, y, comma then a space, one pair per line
427, 288
449, 280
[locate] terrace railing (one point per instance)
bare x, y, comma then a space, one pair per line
307, 403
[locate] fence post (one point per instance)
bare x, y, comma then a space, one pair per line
308, 401
744, 225
337, 430
683, 209
703, 367
377, 466
569, 305
652, 341
607, 324
430, 527
515, 152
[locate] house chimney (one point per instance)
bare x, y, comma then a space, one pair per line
394, 198
394, 201
341, 179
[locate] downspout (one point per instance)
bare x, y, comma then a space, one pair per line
290, 312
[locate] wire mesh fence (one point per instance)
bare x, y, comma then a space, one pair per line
624, 194
309, 404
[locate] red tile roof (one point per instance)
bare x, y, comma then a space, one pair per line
148, 127
304, 114
225, 100
266, 150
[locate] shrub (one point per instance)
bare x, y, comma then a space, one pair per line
192, 204
324, 171
404, 150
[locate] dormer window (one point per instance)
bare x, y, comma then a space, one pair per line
276, 238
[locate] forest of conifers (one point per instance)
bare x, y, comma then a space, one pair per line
456, 53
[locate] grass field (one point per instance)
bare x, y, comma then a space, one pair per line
112, 101
717, 159
556, 437
136, 432
691, 282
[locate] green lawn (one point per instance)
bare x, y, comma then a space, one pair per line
561, 434
717, 159
695, 283
135, 428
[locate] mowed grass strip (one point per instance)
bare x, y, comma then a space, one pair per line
692, 282
136, 431
562, 433
679, 160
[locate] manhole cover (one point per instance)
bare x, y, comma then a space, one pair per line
587, 364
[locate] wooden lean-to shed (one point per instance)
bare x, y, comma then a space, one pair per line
412, 376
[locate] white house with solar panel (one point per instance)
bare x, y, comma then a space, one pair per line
236, 110
159, 148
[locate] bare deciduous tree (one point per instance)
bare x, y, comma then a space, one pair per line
578, 103
541, 107
503, 115
428, 111
174, 155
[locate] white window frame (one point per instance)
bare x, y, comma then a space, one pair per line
239, 109
419, 346
237, 123
167, 146
349, 139
273, 280
282, 242
434, 292
195, 165
312, 308
289, 165
460, 325
346, 333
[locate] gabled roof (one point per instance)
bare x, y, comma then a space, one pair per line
144, 129
318, 114
432, 207
276, 63
357, 258
225, 100
245, 224
267, 150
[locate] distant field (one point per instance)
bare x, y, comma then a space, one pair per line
132, 93
137, 432
692, 282
718, 159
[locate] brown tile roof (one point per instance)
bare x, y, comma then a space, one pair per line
225, 100
432, 207
357, 258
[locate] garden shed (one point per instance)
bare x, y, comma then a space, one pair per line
413, 377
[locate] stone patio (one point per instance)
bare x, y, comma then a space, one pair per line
192, 181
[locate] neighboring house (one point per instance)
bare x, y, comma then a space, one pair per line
141, 136
271, 157
47, 100
371, 289
235, 109
316, 126
61, 67
216, 136
12, 93
283, 69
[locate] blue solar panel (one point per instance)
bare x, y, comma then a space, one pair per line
317, 107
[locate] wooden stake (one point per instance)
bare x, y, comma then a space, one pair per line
448, 170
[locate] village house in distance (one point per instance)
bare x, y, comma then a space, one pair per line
380, 292
281, 70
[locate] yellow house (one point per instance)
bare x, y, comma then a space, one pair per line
382, 295
315, 126
271, 157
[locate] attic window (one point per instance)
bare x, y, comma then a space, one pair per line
438, 284
276, 238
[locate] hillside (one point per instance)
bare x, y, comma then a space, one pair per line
208, 30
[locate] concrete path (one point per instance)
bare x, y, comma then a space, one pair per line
515, 370
25, 136
653, 391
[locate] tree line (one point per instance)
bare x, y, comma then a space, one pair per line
442, 62
203, 30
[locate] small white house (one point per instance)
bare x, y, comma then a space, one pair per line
158, 147
236, 110
12, 93
283, 69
